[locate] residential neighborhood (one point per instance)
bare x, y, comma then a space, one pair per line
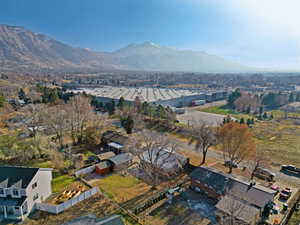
161, 112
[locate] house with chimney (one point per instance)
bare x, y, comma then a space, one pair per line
21, 188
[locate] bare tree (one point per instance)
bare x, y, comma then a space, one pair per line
153, 150
79, 113
204, 137
259, 160
57, 120
34, 117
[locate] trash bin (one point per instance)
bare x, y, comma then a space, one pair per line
285, 207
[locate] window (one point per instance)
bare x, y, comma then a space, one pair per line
15, 192
1, 191
36, 196
34, 185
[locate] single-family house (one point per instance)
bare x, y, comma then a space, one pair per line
217, 184
115, 141
21, 188
229, 208
166, 161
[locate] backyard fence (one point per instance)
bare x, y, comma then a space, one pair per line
55, 209
85, 170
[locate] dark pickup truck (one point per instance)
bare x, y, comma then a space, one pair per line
290, 168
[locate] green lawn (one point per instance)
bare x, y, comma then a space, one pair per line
224, 111
61, 182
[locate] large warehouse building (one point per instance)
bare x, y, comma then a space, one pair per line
163, 96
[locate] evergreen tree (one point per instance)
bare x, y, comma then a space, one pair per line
261, 110
248, 110
128, 124
110, 107
298, 97
242, 120
291, 97
22, 94
53, 96
2, 100
265, 116
233, 97
271, 116
121, 103
249, 122
252, 121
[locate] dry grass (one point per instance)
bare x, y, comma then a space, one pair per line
175, 214
236, 171
97, 205
280, 140
196, 158
122, 188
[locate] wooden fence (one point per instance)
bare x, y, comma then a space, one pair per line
55, 209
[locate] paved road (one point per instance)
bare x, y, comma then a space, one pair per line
295, 181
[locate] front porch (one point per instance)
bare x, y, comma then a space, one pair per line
13, 211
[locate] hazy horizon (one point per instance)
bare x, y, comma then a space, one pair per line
263, 35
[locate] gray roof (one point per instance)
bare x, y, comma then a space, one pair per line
148, 94
164, 158
212, 178
121, 158
92, 220
226, 184
18, 177
238, 209
254, 194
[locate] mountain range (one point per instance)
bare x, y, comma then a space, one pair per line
25, 50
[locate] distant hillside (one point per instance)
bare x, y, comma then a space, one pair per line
22, 49
149, 56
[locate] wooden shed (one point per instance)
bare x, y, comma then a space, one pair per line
104, 168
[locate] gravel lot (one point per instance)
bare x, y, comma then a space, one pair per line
192, 115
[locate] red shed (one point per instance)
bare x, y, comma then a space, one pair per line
103, 168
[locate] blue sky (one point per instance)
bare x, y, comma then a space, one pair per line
262, 33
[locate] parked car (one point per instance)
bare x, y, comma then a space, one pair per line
229, 163
264, 174
285, 193
275, 187
291, 168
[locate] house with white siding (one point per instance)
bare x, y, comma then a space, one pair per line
21, 188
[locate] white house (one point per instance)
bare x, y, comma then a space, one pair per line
21, 188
